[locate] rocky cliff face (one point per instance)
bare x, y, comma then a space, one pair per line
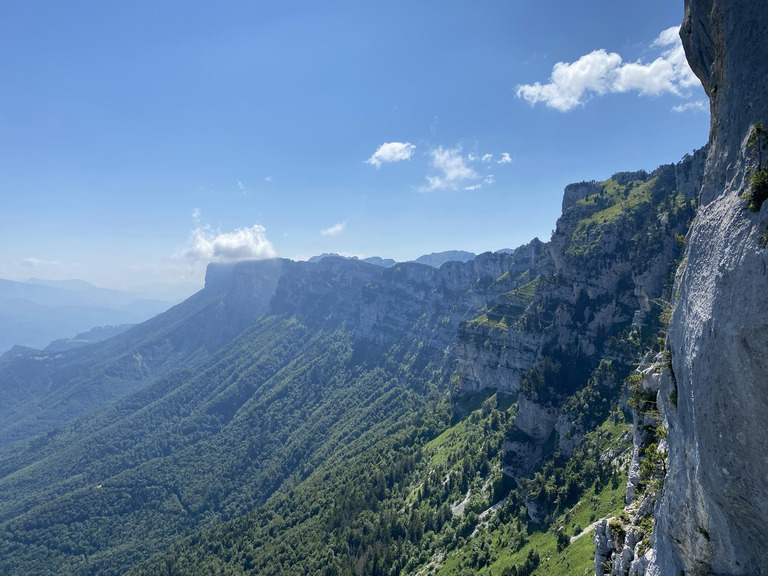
383, 304
598, 281
714, 509
606, 263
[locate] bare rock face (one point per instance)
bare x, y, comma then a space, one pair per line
598, 275
523, 447
578, 191
714, 511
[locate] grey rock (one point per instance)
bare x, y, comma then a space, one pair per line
714, 509
578, 191
437, 259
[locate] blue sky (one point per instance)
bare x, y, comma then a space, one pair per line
141, 140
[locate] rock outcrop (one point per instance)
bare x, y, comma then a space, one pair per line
578, 191
713, 511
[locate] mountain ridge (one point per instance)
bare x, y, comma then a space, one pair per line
279, 368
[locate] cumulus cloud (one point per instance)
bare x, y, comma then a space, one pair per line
489, 179
391, 152
487, 157
505, 158
451, 167
334, 230
600, 72
473, 187
208, 245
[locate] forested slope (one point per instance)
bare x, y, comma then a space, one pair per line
368, 420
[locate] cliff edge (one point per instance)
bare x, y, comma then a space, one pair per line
714, 509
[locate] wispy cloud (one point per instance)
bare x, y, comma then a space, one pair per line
600, 72
489, 180
505, 158
39, 263
267, 178
697, 106
240, 185
391, 152
207, 245
451, 167
334, 230
487, 158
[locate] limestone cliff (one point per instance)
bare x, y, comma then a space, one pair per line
714, 509
606, 263
591, 294
383, 304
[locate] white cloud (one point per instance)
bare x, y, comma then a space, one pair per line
697, 106
490, 179
600, 72
668, 37
240, 185
391, 152
196, 215
505, 159
452, 168
487, 157
215, 246
334, 230
570, 82
473, 187
267, 178
38, 263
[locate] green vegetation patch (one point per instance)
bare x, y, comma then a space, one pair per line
601, 210
526, 292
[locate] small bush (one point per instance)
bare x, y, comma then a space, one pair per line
673, 396
758, 189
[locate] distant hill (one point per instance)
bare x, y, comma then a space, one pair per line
375, 260
437, 259
386, 262
90, 337
36, 312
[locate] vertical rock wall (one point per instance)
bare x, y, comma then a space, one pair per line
714, 511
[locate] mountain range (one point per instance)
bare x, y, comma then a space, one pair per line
594, 403
280, 379
35, 312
